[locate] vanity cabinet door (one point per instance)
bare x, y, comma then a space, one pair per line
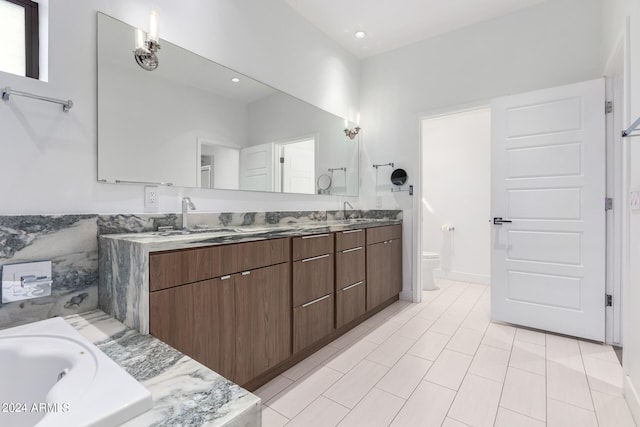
214, 314
263, 320
312, 321
171, 317
378, 274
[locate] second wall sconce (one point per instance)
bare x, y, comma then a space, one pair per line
352, 133
146, 50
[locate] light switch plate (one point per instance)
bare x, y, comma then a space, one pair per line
25, 281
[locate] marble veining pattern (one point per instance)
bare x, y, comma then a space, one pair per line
69, 241
185, 392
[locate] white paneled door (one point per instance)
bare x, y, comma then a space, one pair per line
548, 209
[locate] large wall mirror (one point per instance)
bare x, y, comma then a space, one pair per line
194, 123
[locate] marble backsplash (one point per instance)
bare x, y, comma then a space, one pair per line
70, 242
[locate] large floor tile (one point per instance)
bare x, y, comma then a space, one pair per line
430, 345
273, 387
465, 341
568, 385
560, 414
447, 324
603, 375
450, 422
564, 351
490, 362
525, 393
528, 357
476, 320
533, 337
271, 418
351, 356
350, 337
404, 377
378, 408
292, 400
390, 351
322, 412
449, 369
315, 360
612, 411
355, 384
600, 351
508, 418
427, 406
415, 328
476, 403
499, 336
382, 332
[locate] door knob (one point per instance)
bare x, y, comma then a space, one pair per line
499, 220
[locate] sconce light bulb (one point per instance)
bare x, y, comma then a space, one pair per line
153, 26
358, 119
139, 38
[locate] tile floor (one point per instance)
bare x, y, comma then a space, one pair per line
444, 363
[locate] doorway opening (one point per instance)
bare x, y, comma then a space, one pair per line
455, 197
297, 166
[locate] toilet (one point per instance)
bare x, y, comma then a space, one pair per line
430, 261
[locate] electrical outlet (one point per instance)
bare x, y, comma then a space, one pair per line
151, 198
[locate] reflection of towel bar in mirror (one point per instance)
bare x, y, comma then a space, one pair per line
629, 131
385, 164
121, 181
337, 169
410, 190
7, 92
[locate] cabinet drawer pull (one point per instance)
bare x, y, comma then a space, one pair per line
315, 258
352, 286
246, 273
352, 231
352, 250
315, 301
225, 277
315, 236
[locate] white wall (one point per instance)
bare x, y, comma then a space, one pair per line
456, 179
49, 158
615, 18
551, 44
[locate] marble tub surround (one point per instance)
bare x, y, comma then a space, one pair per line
124, 258
69, 241
184, 391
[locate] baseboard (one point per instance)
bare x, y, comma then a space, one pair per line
481, 279
633, 399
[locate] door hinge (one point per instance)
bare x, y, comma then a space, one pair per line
608, 300
608, 204
281, 159
608, 107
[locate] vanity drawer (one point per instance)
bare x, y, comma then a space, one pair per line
380, 234
350, 239
350, 266
312, 278
350, 303
262, 253
312, 322
312, 245
168, 269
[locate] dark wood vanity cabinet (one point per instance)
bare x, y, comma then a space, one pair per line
250, 310
313, 289
238, 324
384, 264
350, 276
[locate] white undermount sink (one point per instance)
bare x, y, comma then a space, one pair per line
50, 376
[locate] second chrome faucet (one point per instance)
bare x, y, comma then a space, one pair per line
187, 205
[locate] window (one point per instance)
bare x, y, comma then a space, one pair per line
19, 40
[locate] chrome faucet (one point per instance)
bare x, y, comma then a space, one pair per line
344, 209
186, 205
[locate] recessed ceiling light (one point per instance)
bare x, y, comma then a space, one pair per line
235, 80
360, 34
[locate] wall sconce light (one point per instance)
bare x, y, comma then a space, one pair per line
145, 52
351, 133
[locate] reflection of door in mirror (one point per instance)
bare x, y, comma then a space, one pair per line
256, 167
223, 162
297, 166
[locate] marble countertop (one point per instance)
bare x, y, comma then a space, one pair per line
207, 236
185, 392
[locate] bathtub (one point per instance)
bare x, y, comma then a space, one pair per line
51, 376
